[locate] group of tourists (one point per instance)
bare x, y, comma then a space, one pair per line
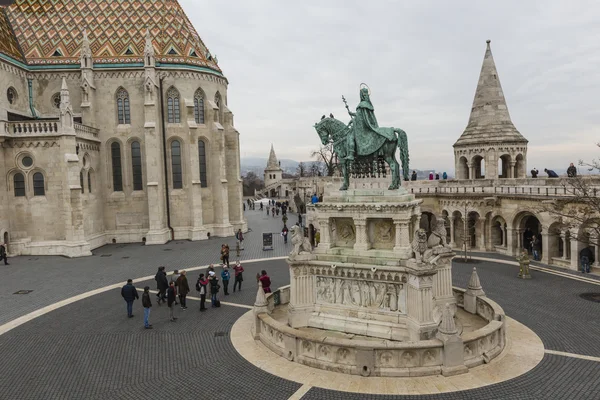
571, 172
432, 176
176, 287
251, 205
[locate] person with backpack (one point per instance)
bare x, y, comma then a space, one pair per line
171, 301
129, 293
184, 288
225, 278
214, 289
239, 278
3, 254
147, 304
201, 288
240, 239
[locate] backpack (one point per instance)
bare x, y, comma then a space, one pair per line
198, 285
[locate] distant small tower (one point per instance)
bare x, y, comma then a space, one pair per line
490, 141
273, 172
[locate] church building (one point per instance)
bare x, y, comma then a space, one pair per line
114, 128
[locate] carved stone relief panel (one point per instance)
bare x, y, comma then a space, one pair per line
344, 232
361, 293
382, 233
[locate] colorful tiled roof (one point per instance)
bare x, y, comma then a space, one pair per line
51, 31
8, 42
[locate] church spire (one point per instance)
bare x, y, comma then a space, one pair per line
489, 105
272, 164
489, 120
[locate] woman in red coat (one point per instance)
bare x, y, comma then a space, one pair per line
265, 280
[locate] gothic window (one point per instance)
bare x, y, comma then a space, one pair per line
173, 106
219, 116
199, 106
89, 181
81, 182
115, 150
38, 184
136, 166
176, 164
19, 183
56, 100
123, 113
202, 158
11, 95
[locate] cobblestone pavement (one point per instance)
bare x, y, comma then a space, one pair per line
90, 350
55, 278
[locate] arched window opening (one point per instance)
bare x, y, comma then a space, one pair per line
136, 166
123, 114
463, 168
19, 184
89, 176
202, 159
176, 164
173, 116
116, 167
199, 106
38, 184
81, 182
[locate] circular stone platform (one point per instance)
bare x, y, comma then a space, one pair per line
523, 351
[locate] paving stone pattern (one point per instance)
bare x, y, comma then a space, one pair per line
56, 278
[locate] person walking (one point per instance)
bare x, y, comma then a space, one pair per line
536, 247
171, 301
239, 278
240, 239
129, 293
225, 278
284, 233
147, 304
268, 208
413, 177
3, 253
225, 254
273, 212
201, 288
174, 276
586, 258
572, 171
161, 284
184, 288
266, 281
214, 289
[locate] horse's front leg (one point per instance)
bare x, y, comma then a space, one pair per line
345, 175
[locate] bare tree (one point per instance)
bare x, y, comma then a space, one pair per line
326, 155
251, 182
579, 205
315, 169
301, 169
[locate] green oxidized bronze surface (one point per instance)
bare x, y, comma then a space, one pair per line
362, 141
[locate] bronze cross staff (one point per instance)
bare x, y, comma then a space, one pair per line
344, 99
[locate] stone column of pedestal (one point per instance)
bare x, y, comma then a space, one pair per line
402, 244
302, 297
419, 304
452, 244
362, 241
325, 230
453, 359
474, 289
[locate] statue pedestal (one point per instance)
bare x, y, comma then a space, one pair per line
361, 278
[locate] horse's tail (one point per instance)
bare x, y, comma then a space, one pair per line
403, 145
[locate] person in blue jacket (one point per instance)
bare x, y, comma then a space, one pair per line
225, 278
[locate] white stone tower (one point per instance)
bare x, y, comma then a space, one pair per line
273, 172
490, 147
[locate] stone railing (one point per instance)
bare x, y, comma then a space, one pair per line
86, 132
48, 128
32, 128
379, 357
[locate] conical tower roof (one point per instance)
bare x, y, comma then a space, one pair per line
273, 164
489, 120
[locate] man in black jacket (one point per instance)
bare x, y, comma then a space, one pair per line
3, 254
571, 171
129, 293
161, 284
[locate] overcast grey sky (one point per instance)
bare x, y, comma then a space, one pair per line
288, 63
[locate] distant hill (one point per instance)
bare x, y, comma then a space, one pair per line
258, 165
